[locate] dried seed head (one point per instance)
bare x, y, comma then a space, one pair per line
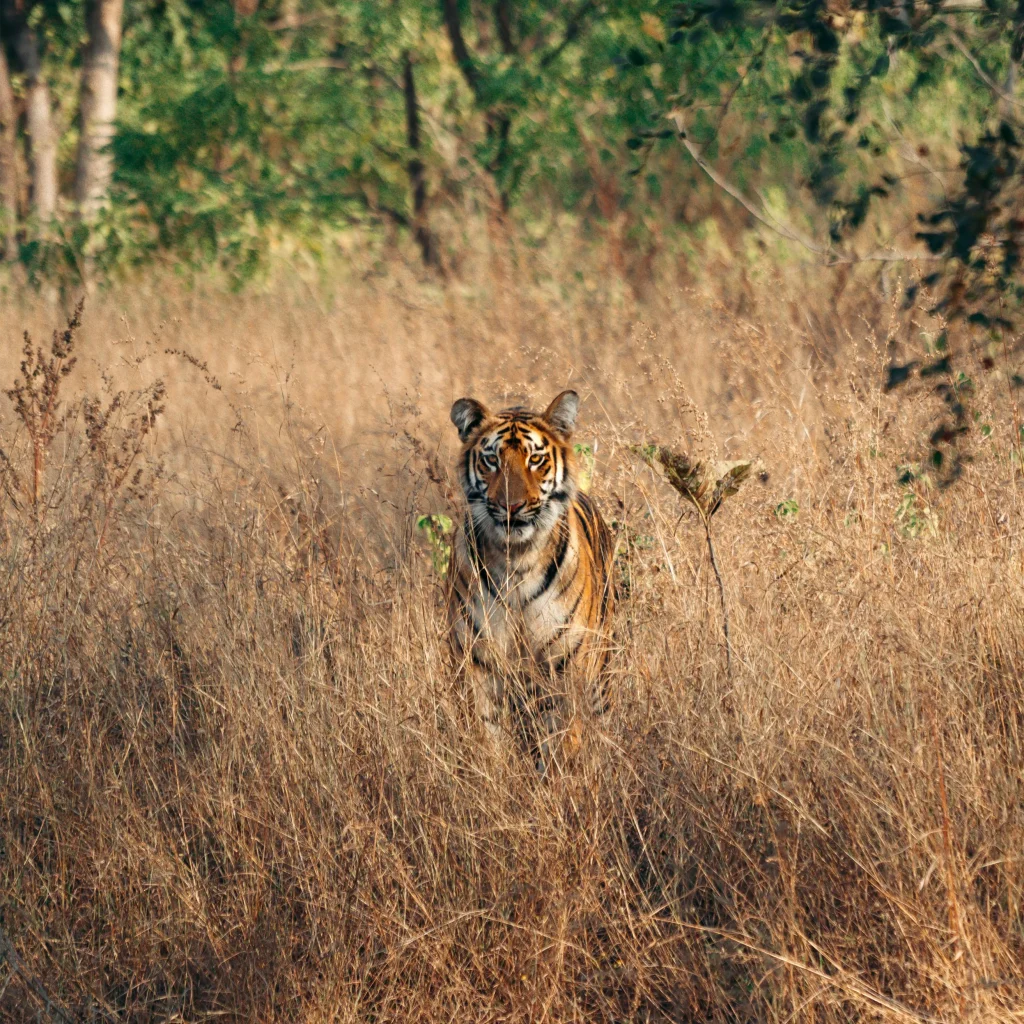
705, 484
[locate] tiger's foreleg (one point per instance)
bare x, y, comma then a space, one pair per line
546, 708
550, 719
488, 687
572, 690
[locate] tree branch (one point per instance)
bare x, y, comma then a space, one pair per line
388, 211
453, 25
782, 229
830, 256
766, 39
962, 46
503, 22
573, 27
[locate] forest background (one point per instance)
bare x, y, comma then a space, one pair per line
220, 134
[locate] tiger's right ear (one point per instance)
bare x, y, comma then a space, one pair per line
467, 414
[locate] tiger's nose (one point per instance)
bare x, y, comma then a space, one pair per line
512, 507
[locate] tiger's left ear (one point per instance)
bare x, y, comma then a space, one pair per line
561, 413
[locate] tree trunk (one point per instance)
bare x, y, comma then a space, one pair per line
503, 20
8, 162
417, 179
498, 124
453, 24
98, 105
42, 138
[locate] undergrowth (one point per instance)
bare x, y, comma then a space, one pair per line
238, 781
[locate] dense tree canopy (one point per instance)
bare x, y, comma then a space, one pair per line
242, 123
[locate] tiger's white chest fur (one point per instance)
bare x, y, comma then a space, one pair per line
514, 610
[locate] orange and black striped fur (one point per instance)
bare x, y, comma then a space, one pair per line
531, 591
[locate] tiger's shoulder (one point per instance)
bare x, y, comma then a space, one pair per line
594, 531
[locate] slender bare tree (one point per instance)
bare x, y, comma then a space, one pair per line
8, 161
98, 105
42, 136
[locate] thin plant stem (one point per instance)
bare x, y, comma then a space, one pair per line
721, 589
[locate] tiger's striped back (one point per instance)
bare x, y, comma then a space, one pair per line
531, 587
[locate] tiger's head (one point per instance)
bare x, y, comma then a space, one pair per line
517, 467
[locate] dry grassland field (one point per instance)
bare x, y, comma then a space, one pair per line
240, 781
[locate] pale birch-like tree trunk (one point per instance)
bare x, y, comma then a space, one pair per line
98, 105
8, 161
42, 137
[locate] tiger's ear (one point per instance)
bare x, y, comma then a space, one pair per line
561, 413
467, 414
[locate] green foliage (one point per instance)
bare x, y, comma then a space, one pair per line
787, 510
914, 518
238, 133
437, 528
242, 135
982, 231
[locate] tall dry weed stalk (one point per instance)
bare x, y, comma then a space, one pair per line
115, 432
35, 395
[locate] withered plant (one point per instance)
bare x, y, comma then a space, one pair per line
35, 395
103, 439
704, 485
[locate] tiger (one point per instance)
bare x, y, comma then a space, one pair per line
531, 592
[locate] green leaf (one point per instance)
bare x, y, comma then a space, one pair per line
787, 509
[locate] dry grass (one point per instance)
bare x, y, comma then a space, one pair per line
238, 782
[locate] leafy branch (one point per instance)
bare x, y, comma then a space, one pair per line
830, 254
957, 40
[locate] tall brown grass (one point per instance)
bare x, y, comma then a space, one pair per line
239, 781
